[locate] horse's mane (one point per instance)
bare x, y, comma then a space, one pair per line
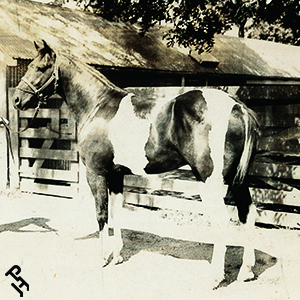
96, 74
94, 90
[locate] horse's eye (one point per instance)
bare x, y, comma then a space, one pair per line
43, 68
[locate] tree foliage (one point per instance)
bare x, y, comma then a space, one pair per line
278, 21
193, 23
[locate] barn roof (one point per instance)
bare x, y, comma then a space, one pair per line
82, 34
256, 57
116, 44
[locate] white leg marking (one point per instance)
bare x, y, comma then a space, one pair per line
247, 231
214, 191
116, 213
105, 247
218, 262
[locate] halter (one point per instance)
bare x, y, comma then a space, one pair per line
42, 99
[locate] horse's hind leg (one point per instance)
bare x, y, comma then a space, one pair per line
212, 192
247, 231
116, 203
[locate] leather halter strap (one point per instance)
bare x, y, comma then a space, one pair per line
42, 99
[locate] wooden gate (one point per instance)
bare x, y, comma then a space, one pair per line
45, 157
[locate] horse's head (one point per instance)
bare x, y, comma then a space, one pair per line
40, 80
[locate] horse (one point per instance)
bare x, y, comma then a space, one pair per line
120, 134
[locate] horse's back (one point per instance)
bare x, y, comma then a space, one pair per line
195, 125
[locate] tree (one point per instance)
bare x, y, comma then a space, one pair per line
278, 21
193, 23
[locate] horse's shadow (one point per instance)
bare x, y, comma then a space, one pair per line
136, 241
18, 225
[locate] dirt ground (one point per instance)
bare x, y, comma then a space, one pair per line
54, 242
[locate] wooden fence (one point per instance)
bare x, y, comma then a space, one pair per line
45, 158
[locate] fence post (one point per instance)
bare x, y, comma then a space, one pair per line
14, 177
3, 141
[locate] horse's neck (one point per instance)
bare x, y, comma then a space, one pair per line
85, 90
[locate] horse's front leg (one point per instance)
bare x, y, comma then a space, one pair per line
98, 186
116, 185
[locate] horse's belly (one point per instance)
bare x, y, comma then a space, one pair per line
128, 135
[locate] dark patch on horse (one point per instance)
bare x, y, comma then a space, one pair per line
161, 153
116, 178
188, 124
234, 144
175, 130
142, 107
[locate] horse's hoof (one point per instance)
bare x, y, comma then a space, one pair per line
118, 260
245, 274
105, 263
218, 282
215, 280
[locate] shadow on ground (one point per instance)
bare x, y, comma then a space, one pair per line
136, 241
17, 226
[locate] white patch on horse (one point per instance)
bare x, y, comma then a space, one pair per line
213, 191
219, 107
129, 134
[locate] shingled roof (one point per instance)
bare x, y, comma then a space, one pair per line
116, 44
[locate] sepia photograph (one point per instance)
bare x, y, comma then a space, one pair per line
150, 150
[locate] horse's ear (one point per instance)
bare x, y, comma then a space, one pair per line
37, 47
46, 47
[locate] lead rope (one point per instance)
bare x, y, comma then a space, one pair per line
5, 122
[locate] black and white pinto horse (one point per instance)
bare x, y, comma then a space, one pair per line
118, 134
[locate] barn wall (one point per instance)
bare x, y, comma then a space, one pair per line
276, 170
126, 77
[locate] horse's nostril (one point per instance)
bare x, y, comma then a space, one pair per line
17, 103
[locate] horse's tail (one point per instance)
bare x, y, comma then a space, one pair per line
251, 135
